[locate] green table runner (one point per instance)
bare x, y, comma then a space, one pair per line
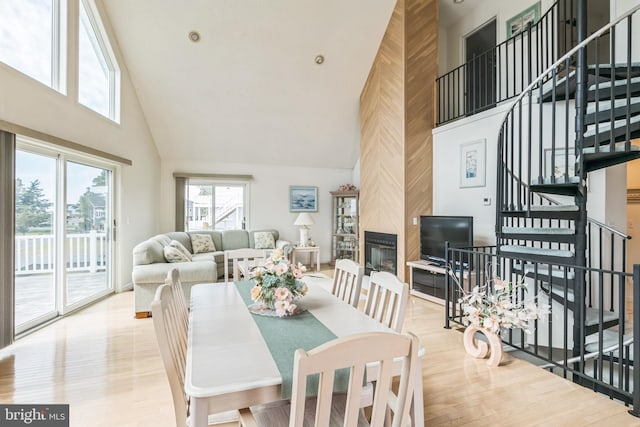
284, 335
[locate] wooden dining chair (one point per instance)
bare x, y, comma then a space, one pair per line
182, 306
172, 341
353, 352
347, 281
242, 261
387, 299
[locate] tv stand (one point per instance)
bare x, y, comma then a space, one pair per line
427, 280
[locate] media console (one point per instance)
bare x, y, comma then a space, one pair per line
427, 280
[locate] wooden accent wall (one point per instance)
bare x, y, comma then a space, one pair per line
396, 118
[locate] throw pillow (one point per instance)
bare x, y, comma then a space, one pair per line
202, 243
264, 240
172, 254
179, 246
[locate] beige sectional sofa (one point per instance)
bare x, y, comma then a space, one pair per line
150, 267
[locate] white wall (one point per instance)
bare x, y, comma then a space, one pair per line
269, 196
26, 102
448, 197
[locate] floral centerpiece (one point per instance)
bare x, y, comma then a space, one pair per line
278, 284
500, 307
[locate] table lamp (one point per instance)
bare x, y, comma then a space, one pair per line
304, 220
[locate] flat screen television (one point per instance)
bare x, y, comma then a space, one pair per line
436, 230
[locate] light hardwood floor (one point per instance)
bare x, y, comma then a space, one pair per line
106, 365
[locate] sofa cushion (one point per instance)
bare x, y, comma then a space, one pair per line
149, 252
173, 254
179, 246
182, 237
252, 236
190, 272
235, 239
202, 243
207, 256
264, 240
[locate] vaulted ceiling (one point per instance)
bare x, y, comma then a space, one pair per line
250, 90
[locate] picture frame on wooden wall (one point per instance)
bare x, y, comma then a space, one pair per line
473, 164
303, 199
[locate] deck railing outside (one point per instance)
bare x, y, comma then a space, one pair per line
85, 252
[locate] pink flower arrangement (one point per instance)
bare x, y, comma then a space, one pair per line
277, 284
500, 307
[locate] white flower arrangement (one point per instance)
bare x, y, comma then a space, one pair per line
278, 284
501, 307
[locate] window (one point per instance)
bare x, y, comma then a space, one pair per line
64, 214
32, 39
215, 206
98, 74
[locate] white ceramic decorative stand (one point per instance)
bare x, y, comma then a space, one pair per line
480, 349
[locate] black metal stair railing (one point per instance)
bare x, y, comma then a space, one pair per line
603, 359
515, 63
536, 145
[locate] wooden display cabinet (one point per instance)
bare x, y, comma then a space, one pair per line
344, 225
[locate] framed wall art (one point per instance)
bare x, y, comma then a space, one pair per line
521, 21
303, 199
473, 164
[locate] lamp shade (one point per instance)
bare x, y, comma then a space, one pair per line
304, 219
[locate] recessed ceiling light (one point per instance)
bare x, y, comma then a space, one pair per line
319, 59
194, 36
458, 1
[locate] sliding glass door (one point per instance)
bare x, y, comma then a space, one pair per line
35, 250
88, 231
64, 213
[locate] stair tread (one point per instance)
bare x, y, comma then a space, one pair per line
609, 339
618, 147
561, 253
605, 105
604, 127
543, 270
538, 230
559, 180
591, 316
605, 69
547, 208
617, 83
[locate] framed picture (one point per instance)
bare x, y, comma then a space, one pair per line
521, 21
559, 162
473, 164
303, 199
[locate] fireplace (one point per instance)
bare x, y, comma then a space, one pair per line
380, 252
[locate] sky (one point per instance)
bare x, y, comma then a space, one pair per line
31, 166
25, 44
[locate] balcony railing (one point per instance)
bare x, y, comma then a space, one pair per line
505, 70
85, 252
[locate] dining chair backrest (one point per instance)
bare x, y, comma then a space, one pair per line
347, 281
172, 342
387, 299
355, 352
242, 261
182, 307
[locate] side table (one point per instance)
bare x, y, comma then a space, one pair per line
310, 250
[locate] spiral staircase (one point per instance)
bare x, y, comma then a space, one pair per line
571, 120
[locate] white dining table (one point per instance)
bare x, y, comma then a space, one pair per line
229, 365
